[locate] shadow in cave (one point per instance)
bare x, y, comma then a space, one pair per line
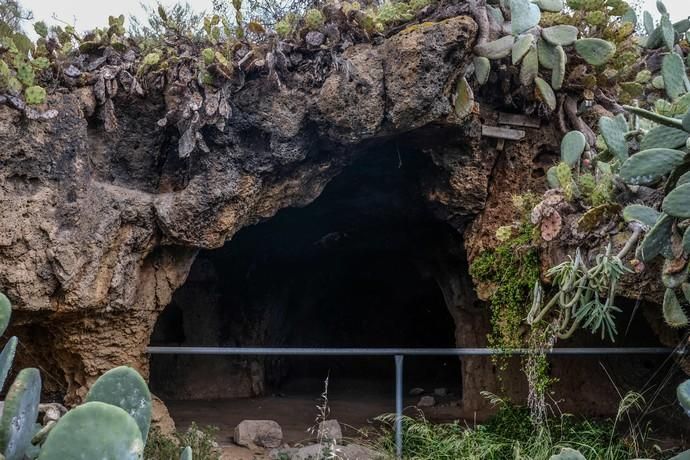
353, 269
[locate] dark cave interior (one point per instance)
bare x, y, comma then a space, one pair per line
352, 269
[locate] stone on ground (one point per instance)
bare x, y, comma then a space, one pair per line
261, 433
331, 430
416, 391
426, 401
440, 391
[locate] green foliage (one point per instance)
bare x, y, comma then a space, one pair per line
507, 435
200, 440
314, 19
512, 269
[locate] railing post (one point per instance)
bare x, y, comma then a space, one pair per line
398, 405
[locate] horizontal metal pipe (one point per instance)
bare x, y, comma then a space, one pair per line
405, 351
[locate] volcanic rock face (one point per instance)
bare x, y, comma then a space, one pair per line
99, 228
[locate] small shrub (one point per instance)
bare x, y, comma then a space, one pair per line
201, 440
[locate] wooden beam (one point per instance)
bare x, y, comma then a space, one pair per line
516, 119
502, 133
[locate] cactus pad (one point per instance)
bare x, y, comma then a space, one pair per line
186, 454
686, 121
567, 453
643, 214
94, 430
683, 393
529, 68
572, 146
673, 71
664, 137
558, 73
552, 177
667, 32
677, 202
125, 388
547, 54
524, 15
562, 35
521, 47
5, 312
648, 166
6, 358
497, 49
35, 95
545, 93
554, 6
613, 132
686, 240
20, 413
595, 50
673, 312
482, 69
657, 239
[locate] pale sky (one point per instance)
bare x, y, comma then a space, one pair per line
87, 14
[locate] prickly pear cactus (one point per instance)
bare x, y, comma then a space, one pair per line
35, 95
94, 430
186, 454
567, 453
125, 388
6, 359
5, 312
19, 414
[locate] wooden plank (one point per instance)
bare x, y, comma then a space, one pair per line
516, 119
502, 133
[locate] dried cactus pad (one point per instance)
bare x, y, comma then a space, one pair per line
19, 414
94, 430
125, 388
673, 312
5, 312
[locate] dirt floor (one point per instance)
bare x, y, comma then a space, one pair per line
353, 403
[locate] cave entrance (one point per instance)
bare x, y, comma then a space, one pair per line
355, 268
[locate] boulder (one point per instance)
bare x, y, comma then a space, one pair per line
426, 401
261, 433
331, 430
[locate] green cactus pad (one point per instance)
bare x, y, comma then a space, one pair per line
673, 312
25, 74
35, 95
529, 69
464, 99
497, 49
524, 15
567, 453
125, 388
547, 54
552, 177
554, 6
572, 146
562, 35
648, 22
629, 16
685, 287
613, 132
496, 14
667, 32
664, 137
673, 71
482, 69
20, 413
94, 430
684, 179
545, 93
640, 213
683, 393
6, 359
5, 312
558, 73
521, 47
677, 202
186, 454
595, 51
657, 239
655, 117
648, 166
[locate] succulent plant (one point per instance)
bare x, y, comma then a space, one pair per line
675, 80
125, 388
464, 99
648, 166
545, 93
19, 414
35, 95
672, 310
572, 146
595, 50
94, 430
567, 453
524, 16
560, 35
613, 131
482, 69
642, 214
677, 202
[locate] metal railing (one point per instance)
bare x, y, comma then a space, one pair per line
399, 355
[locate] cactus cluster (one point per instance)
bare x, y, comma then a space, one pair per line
113, 424
538, 49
